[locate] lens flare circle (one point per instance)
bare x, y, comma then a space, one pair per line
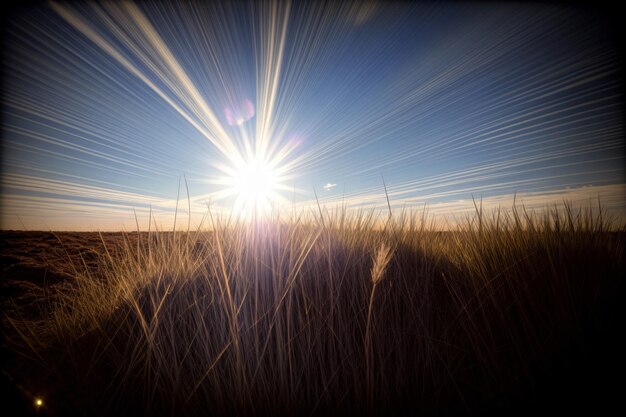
239, 113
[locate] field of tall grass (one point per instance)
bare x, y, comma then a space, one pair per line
329, 314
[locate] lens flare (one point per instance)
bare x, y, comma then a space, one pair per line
240, 113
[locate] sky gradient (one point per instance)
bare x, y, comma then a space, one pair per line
111, 109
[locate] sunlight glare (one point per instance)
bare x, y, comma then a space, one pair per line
255, 183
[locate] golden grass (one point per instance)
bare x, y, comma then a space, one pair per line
325, 315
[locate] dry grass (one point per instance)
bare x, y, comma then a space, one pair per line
323, 315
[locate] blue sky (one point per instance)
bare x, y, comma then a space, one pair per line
106, 106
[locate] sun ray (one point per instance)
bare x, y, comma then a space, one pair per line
134, 94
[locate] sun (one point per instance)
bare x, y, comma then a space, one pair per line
255, 184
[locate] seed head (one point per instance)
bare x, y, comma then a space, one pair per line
381, 259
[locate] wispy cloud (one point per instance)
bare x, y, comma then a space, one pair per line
329, 186
451, 206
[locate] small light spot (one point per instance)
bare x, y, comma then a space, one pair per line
38, 402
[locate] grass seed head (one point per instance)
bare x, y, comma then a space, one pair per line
381, 259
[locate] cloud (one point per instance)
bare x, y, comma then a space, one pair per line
328, 186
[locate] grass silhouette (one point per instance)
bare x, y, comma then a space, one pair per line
325, 314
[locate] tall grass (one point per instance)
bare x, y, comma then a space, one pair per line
324, 315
